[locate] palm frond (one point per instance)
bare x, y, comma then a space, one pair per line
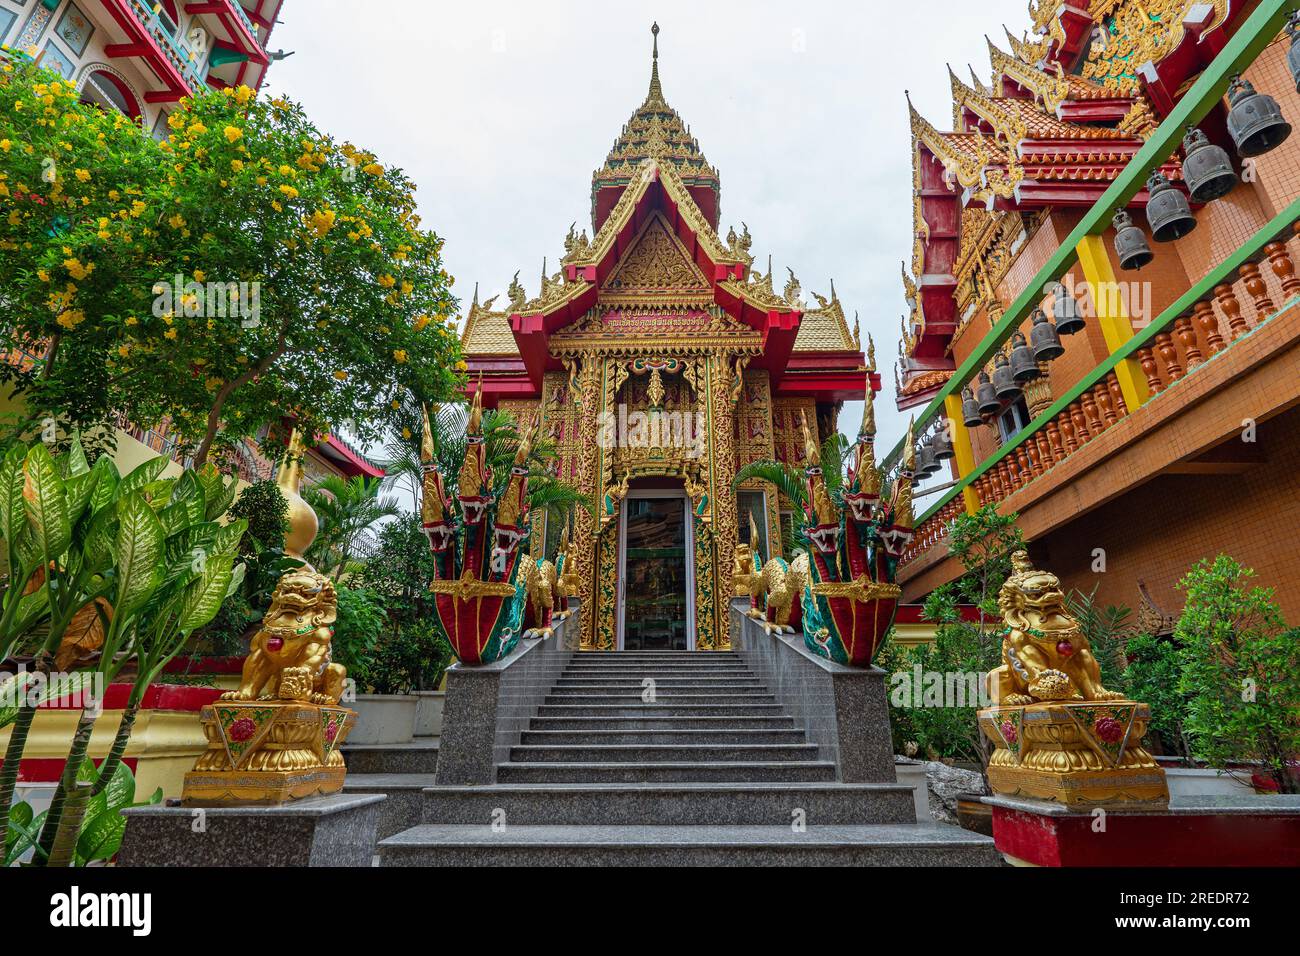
787, 479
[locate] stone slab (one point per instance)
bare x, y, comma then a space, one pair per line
336, 830
405, 792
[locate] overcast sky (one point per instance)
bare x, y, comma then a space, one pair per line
500, 111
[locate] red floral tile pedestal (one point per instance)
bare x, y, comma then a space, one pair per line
268, 752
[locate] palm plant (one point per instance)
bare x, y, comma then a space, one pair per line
790, 481
348, 510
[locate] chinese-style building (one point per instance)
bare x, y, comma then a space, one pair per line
660, 361
1166, 430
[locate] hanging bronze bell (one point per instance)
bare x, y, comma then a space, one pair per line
1206, 167
1023, 367
987, 396
925, 463
1004, 380
1065, 309
1255, 123
970, 409
1044, 341
1168, 214
1293, 53
1130, 243
943, 450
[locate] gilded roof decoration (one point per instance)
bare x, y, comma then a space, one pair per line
825, 328
487, 332
1134, 32
654, 267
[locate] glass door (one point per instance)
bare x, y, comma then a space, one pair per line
655, 567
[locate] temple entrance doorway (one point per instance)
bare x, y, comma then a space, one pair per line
656, 572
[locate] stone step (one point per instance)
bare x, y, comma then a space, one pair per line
660, 697
418, 756
671, 804
404, 807
448, 845
660, 753
693, 772
643, 737
638, 673
640, 723
657, 655
659, 710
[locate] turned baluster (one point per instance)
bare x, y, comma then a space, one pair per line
1187, 338
1092, 413
1035, 460
1257, 290
1013, 474
1004, 480
1067, 431
1168, 356
1026, 466
1147, 359
995, 482
1208, 322
1054, 440
1116, 394
1279, 258
1105, 404
1227, 299
1044, 449
1081, 430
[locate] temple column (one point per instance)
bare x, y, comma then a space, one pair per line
722, 447
1112, 317
584, 377
962, 449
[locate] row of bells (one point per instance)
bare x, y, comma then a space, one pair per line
1011, 374
1256, 126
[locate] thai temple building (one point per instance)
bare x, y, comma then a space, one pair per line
141, 57
1146, 417
660, 358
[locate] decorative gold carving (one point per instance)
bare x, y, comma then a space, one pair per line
656, 265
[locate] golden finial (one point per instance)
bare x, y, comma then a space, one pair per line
871, 353
427, 446
475, 423
525, 448
811, 453
656, 91
868, 428
753, 532
909, 449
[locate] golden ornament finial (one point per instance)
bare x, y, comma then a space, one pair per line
656, 93
753, 532
868, 412
475, 423
811, 453
302, 525
871, 353
909, 448
427, 446
525, 448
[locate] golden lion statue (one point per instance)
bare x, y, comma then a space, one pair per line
781, 583
541, 584
1045, 656
289, 658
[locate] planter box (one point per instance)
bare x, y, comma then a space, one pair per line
428, 712
911, 773
384, 719
1198, 782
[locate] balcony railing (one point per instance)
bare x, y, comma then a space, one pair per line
1168, 351
1243, 49
176, 52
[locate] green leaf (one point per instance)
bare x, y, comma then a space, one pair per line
101, 837
143, 475
46, 502
139, 553
120, 790
11, 492
87, 773
203, 596
79, 489
106, 487
76, 460
219, 502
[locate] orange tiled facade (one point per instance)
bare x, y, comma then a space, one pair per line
1209, 463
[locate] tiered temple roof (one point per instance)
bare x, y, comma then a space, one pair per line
1060, 117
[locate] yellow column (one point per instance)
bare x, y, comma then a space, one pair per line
1112, 317
961, 446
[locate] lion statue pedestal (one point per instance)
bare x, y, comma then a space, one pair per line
1057, 733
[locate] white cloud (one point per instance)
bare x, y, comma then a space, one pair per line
500, 112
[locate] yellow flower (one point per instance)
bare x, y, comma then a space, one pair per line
137, 207
387, 281
399, 356
232, 133
374, 169
406, 432
285, 170
132, 320
169, 334
177, 221
237, 165
196, 129
289, 191
5, 144
322, 221
71, 319
341, 375
461, 366
77, 270
396, 404
83, 175
124, 350
200, 275
420, 322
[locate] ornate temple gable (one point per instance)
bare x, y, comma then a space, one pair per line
1135, 32
825, 328
487, 332
656, 268
669, 331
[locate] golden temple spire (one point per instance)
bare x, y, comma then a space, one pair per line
427, 445
868, 428
656, 94
474, 425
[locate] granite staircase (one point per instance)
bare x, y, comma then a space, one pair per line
671, 758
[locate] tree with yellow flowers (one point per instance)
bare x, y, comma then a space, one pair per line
247, 268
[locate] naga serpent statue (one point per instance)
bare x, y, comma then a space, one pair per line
476, 539
849, 594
